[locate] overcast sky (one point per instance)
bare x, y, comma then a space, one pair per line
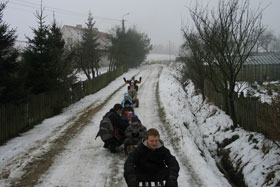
162, 20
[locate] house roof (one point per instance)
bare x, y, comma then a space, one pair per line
263, 59
100, 35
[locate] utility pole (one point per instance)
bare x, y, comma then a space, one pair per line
169, 51
123, 27
54, 17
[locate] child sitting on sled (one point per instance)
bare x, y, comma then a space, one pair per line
134, 133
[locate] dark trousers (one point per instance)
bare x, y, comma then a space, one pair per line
112, 141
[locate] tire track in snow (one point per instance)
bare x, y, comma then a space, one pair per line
83, 163
22, 158
36, 167
116, 178
194, 178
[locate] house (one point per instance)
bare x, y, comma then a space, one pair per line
261, 67
72, 35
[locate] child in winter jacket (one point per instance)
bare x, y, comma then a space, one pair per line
126, 98
134, 133
132, 83
151, 161
126, 110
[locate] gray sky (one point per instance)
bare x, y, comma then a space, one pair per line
161, 19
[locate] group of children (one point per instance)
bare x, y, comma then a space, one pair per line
135, 132
151, 161
121, 125
132, 89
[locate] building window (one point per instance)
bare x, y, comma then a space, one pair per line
69, 41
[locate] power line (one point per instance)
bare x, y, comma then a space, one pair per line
56, 10
25, 5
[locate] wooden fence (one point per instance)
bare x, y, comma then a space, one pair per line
259, 72
252, 115
15, 118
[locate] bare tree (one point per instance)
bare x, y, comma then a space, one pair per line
276, 44
195, 68
229, 35
265, 41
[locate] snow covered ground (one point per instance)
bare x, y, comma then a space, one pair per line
160, 58
190, 128
258, 91
81, 76
251, 154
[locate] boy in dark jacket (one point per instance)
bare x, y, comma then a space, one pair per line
119, 127
151, 161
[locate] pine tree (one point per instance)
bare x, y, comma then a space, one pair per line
128, 48
36, 57
10, 80
56, 52
61, 63
89, 56
43, 57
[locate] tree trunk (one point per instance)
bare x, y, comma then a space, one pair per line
93, 74
226, 105
232, 112
111, 64
202, 87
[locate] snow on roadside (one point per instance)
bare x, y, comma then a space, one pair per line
255, 90
208, 126
178, 115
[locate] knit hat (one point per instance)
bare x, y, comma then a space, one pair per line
134, 119
126, 94
127, 102
130, 114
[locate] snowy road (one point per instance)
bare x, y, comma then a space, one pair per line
66, 154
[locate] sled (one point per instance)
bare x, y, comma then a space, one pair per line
135, 103
152, 184
133, 95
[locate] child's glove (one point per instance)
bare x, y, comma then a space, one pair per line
132, 182
171, 183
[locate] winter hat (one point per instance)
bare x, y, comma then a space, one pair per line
134, 119
117, 107
130, 114
127, 102
126, 94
